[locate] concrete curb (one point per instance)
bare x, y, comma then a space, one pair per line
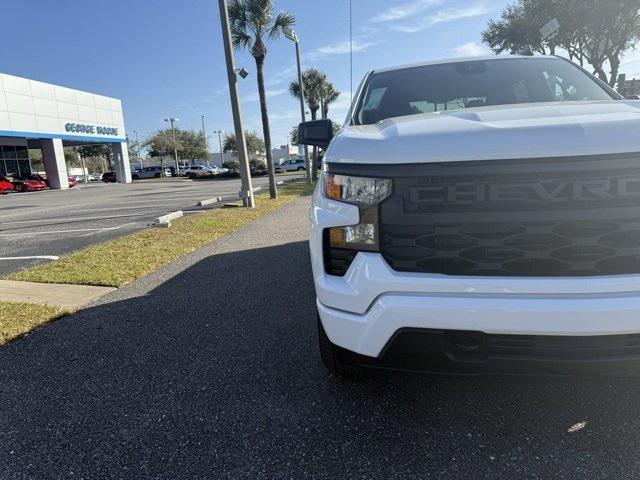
165, 220
208, 201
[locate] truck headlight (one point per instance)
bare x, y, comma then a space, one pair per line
366, 193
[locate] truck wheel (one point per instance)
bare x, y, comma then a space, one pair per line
331, 356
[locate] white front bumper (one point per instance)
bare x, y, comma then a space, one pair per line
362, 310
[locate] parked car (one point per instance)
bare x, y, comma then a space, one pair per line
109, 177
200, 171
479, 216
73, 181
5, 185
291, 165
33, 183
95, 177
150, 172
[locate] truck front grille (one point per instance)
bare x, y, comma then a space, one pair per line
552, 217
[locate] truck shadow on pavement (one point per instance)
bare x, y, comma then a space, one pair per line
216, 374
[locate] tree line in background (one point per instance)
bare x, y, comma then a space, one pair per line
592, 32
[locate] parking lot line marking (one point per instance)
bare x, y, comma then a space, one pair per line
60, 231
55, 220
43, 257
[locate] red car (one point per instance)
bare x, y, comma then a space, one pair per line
72, 182
5, 185
28, 184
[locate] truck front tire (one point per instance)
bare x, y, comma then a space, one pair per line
330, 355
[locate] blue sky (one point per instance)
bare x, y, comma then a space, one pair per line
164, 57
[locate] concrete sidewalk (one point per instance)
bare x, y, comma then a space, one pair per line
73, 296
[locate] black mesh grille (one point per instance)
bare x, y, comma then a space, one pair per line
560, 217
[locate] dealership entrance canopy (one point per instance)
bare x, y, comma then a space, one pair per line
40, 115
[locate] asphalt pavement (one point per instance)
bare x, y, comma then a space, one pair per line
209, 369
55, 222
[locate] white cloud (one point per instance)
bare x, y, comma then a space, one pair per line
340, 48
400, 12
443, 16
470, 49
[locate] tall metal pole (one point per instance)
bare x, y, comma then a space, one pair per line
204, 139
302, 114
241, 146
138, 149
175, 146
219, 132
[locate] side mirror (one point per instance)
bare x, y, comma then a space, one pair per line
317, 133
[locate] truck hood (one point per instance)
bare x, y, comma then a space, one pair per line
491, 133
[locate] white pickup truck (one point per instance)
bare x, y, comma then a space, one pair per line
480, 216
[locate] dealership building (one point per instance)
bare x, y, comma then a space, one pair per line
37, 115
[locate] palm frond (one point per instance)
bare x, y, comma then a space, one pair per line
283, 22
294, 89
241, 39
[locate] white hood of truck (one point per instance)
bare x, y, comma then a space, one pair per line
491, 133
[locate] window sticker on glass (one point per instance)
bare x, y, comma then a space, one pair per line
375, 97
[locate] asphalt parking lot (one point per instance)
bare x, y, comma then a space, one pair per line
54, 222
209, 369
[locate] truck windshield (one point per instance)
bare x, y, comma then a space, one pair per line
476, 83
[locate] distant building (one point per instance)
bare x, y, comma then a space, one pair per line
628, 88
284, 152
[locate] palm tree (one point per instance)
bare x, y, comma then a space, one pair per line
313, 82
252, 22
328, 96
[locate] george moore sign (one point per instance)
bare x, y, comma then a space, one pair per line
79, 128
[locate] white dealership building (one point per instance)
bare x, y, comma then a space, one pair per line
37, 115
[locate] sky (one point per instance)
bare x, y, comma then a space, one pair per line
165, 57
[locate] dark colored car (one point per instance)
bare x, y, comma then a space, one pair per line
109, 177
29, 184
5, 185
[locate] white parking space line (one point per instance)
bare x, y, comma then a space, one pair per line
49, 232
33, 257
68, 219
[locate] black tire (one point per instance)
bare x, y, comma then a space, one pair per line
330, 355
157, 175
300, 169
18, 187
135, 177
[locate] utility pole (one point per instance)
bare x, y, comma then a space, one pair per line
291, 35
204, 140
241, 146
219, 132
135, 132
175, 145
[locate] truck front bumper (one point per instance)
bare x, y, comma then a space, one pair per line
471, 324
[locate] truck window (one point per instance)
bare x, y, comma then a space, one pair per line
476, 83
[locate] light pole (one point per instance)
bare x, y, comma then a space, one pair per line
219, 132
241, 146
175, 146
136, 132
204, 139
291, 35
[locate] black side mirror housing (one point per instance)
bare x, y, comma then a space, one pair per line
317, 133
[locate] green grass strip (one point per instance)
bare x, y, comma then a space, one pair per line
16, 319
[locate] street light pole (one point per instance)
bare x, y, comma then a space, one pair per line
175, 146
138, 149
291, 35
204, 139
219, 132
241, 146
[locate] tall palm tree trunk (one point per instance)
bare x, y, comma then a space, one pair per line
314, 162
266, 130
